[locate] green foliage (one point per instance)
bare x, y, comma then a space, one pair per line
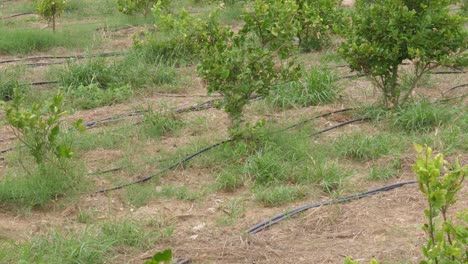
230, 179
99, 82
319, 87
91, 96
130, 7
14, 41
358, 146
50, 9
8, 83
278, 195
316, 19
127, 233
233, 210
160, 123
95, 244
447, 239
388, 32
385, 171
38, 187
349, 260
422, 116
161, 257
255, 59
38, 127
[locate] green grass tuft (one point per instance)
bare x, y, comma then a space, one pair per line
360, 147
423, 116
319, 87
26, 41
278, 195
386, 171
41, 186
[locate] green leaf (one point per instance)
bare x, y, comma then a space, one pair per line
161, 257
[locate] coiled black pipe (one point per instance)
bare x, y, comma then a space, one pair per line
280, 217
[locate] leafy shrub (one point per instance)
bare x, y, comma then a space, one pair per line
245, 64
130, 7
386, 33
316, 19
446, 239
319, 87
50, 9
161, 257
38, 127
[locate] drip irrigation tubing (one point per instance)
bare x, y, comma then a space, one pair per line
173, 166
280, 217
447, 72
191, 156
340, 125
284, 129
43, 83
78, 56
315, 117
202, 106
16, 15
454, 88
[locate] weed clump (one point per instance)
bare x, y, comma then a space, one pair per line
318, 87
361, 147
98, 82
422, 116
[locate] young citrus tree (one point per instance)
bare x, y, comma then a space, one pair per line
316, 19
385, 33
50, 9
254, 60
130, 7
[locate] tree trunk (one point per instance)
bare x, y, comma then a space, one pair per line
392, 92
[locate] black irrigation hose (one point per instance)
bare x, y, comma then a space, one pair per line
6, 150
447, 72
16, 15
280, 217
79, 56
184, 261
40, 64
340, 125
173, 166
191, 156
351, 76
43, 83
315, 117
454, 88
202, 106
